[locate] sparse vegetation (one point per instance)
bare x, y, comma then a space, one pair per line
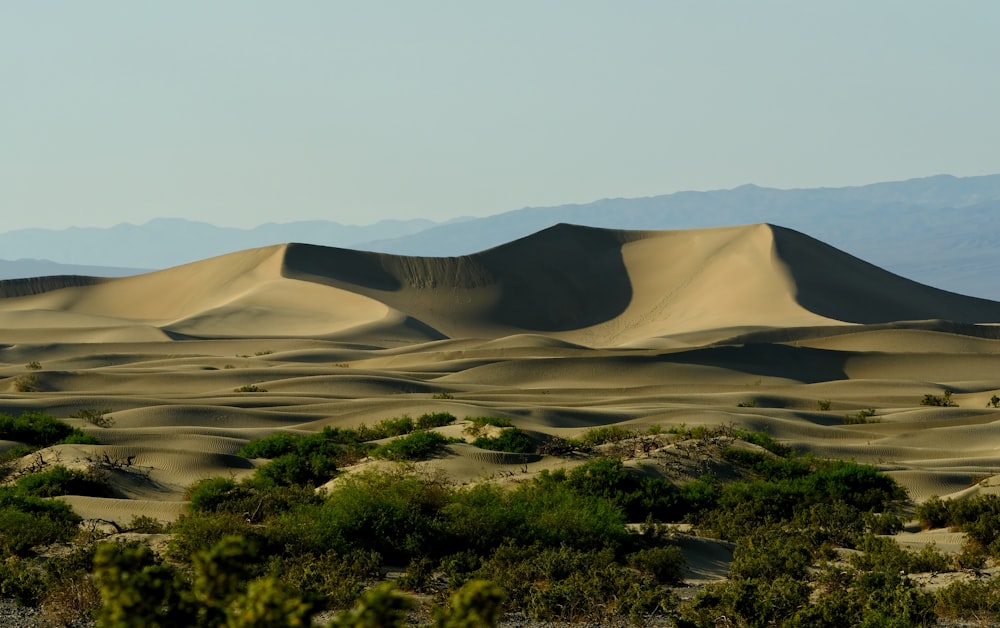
861, 417
944, 400
95, 416
994, 402
33, 365
824, 405
26, 383
510, 439
250, 388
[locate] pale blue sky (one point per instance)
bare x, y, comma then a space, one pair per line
240, 112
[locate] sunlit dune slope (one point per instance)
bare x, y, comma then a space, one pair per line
593, 286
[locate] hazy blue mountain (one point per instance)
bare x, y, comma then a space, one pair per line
21, 268
164, 242
937, 230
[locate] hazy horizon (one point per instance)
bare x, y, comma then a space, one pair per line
239, 114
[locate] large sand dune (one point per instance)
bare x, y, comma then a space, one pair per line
561, 331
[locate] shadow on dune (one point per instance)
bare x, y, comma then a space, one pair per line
803, 364
560, 279
10, 288
837, 285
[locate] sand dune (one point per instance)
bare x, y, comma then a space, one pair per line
565, 330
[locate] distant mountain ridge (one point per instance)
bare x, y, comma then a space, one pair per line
937, 230
166, 242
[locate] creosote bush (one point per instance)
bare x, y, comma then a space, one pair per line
944, 400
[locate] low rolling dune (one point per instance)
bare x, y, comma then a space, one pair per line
561, 331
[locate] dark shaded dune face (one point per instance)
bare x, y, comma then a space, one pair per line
560, 279
337, 267
802, 364
11, 288
837, 285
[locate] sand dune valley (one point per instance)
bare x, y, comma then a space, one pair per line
757, 327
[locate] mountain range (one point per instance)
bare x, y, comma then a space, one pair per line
935, 230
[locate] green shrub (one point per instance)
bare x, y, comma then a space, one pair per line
606, 434
435, 419
296, 470
335, 580
33, 365
510, 439
477, 604
40, 430
861, 418
975, 600
885, 554
386, 428
570, 585
27, 521
665, 563
943, 401
415, 446
824, 405
59, 480
21, 580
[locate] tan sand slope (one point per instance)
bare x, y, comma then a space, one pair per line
593, 286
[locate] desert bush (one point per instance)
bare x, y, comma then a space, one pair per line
34, 365
58, 480
824, 405
944, 400
754, 603
40, 430
665, 563
978, 516
394, 513
975, 600
572, 585
386, 428
434, 419
885, 554
381, 606
862, 417
415, 446
605, 434
637, 496
144, 524
477, 604
95, 416
26, 383
510, 439
334, 580
21, 580
443, 395
480, 423
250, 388
27, 521
747, 404
296, 470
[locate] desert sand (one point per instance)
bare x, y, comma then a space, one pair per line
562, 331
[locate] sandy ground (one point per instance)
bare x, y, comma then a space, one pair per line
566, 330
